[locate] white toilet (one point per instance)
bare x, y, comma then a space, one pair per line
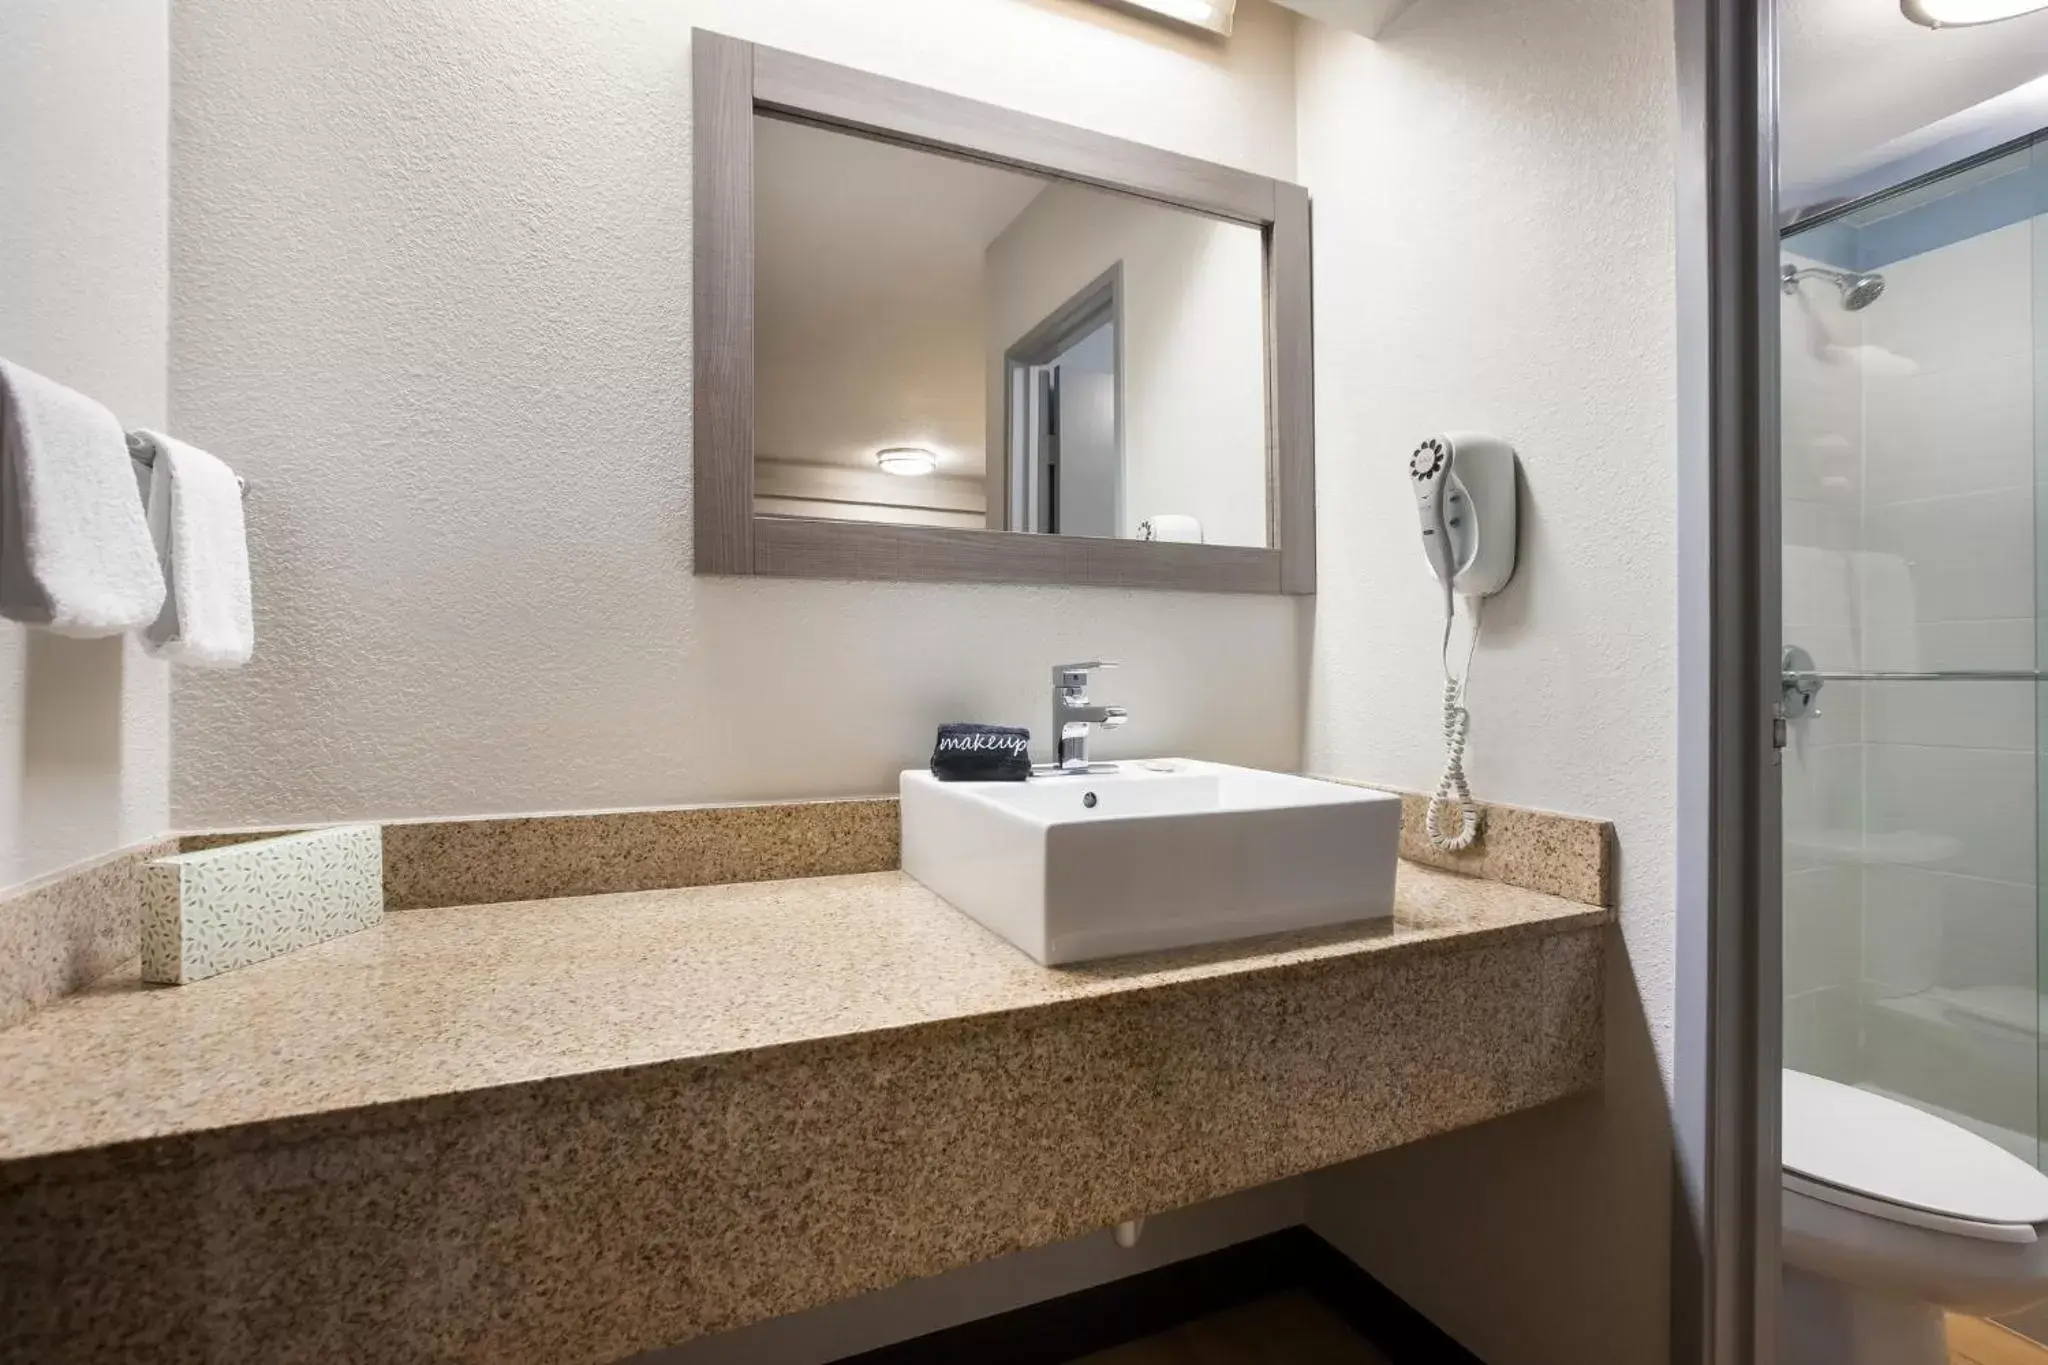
1893, 1217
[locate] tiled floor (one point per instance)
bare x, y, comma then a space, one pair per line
1290, 1327
1972, 1341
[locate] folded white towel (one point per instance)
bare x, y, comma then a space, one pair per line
75, 553
195, 513
1171, 526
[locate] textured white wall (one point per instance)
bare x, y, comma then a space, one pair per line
1194, 300
1494, 249
432, 293
84, 142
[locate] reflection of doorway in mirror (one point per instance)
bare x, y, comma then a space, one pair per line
1065, 435
1190, 396
1090, 472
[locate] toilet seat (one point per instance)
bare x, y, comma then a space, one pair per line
2018, 1233
1885, 1159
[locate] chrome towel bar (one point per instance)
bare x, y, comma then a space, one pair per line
1943, 675
1800, 682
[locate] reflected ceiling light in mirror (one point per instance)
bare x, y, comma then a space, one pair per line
1211, 16
1961, 13
908, 461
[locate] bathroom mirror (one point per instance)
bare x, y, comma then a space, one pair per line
940, 340
944, 342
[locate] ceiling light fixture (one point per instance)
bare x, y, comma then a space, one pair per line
1211, 16
1963, 13
907, 461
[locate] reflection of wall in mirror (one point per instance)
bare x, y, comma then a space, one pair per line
1193, 347
834, 492
868, 302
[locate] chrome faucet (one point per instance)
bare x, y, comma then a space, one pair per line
1073, 718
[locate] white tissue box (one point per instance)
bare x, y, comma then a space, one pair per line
209, 912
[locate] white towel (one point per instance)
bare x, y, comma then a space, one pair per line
195, 513
1171, 526
75, 553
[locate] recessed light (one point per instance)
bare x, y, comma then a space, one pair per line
908, 461
1212, 16
1962, 13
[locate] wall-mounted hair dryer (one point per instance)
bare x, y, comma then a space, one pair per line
1465, 488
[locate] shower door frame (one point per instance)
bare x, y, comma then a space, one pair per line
1994, 140
1727, 1016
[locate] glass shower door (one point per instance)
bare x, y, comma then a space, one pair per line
1913, 489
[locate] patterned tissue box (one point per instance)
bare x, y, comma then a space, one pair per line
209, 912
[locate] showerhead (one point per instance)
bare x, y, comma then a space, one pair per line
1859, 289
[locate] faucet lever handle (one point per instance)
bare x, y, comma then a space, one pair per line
1060, 672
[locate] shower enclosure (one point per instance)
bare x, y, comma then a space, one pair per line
1915, 403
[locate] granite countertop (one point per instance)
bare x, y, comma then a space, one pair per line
443, 1002
559, 1132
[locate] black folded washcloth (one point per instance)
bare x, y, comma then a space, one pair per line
982, 753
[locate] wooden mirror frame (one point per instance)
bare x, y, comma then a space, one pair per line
733, 81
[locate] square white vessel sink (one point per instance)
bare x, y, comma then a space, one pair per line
1161, 853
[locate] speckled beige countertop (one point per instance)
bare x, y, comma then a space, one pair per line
436, 1002
570, 1129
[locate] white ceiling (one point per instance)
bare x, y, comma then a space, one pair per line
836, 212
1857, 76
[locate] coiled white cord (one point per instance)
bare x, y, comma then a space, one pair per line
1452, 791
